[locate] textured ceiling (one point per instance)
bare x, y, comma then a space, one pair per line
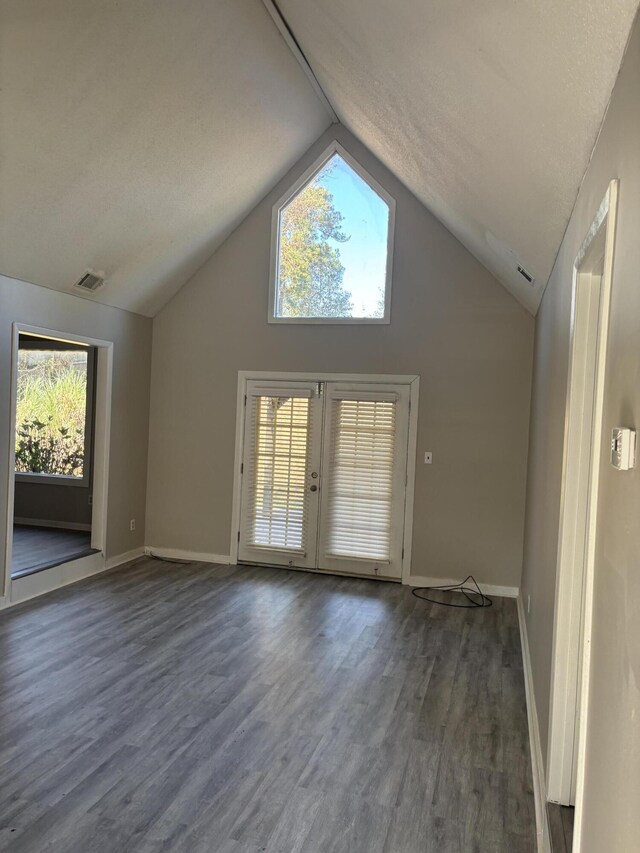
486, 109
135, 135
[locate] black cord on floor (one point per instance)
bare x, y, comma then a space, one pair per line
480, 599
153, 556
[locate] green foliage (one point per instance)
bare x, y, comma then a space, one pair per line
39, 450
51, 409
310, 272
378, 311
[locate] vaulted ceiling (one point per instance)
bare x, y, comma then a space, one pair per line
135, 136
487, 110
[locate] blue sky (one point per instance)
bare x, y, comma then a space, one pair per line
366, 219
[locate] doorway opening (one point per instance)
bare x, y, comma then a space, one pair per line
54, 444
583, 451
60, 414
325, 473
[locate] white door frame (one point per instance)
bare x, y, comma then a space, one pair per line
103, 384
590, 305
412, 380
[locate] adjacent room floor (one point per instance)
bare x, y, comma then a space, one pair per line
196, 708
561, 827
38, 548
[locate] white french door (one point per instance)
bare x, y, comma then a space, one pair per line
364, 464
323, 476
280, 473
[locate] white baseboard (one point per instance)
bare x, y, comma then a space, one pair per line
488, 588
190, 556
58, 525
537, 765
127, 557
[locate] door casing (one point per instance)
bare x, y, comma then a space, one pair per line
411, 380
569, 701
20, 589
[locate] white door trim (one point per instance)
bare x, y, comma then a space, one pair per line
575, 566
104, 378
412, 380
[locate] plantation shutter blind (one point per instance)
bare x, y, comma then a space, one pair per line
276, 514
361, 476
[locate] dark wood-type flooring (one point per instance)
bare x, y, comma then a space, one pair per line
561, 826
38, 548
202, 709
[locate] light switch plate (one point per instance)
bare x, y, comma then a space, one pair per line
428, 457
623, 448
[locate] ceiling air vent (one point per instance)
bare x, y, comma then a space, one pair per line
509, 260
526, 275
90, 281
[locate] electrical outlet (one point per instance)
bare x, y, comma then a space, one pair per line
132, 524
90, 500
528, 604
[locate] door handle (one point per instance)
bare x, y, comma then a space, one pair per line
313, 488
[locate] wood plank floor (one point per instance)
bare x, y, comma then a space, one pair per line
38, 548
561, 826
192, 708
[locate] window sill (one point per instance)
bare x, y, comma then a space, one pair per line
331, 321
51, 479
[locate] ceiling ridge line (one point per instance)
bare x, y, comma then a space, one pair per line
287, 34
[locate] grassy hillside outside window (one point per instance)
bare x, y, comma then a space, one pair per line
51, 412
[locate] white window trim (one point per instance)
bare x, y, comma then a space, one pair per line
51, 479
316, 166
412, 380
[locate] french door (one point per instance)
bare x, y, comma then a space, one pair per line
323, 476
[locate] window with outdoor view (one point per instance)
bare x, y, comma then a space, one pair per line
51, 412
332, 255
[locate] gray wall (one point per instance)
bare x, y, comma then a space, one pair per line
51, 502
612, 817
452, 323
131, 335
